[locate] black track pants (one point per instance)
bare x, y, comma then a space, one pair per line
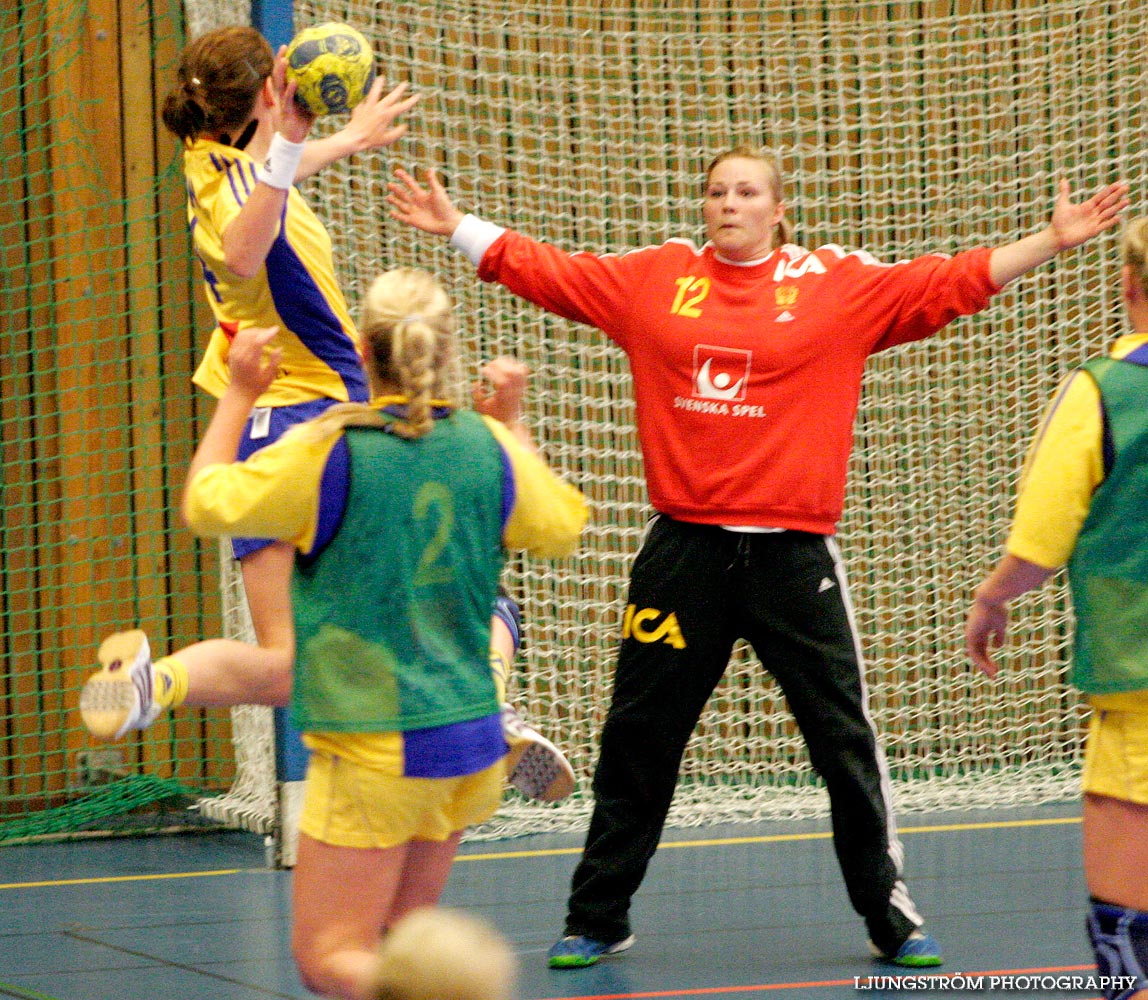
694, 590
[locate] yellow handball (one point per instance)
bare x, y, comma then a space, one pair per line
333, 66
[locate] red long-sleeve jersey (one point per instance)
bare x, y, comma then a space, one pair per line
746, 377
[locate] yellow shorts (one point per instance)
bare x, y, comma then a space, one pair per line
1116, 753
349, 805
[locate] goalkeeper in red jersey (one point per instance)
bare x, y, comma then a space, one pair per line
747, 357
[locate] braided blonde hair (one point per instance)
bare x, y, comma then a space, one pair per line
408, 339
409, 348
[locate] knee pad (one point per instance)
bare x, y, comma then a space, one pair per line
506, 610
1120, 941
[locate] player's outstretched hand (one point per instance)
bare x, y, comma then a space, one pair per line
500, 391
372, 124
252, 360
427, 208
1073, 224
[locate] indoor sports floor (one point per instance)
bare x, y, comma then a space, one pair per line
747, 910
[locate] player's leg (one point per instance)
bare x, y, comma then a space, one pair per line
131, 690
227, 672
1116, 870
345, 898
1116, 850
354, 832
534, 765
1116, 847
427, 867
341, 902
800, 622
373, 847
673, 651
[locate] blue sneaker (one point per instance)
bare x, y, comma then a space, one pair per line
918, 951
576, 951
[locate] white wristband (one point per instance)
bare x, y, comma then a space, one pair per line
283, 156
474, 237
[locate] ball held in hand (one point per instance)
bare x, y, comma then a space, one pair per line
333, 66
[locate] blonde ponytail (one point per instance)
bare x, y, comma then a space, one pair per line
408, 341
414, 349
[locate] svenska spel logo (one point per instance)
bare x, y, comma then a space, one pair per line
720, 372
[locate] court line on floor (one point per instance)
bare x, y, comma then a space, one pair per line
96, 879
777, 838
79, 934
19, 993
559, 851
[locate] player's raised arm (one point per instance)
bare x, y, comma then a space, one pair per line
1071, 225
253, 363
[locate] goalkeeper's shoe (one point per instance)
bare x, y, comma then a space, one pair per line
534, 765
576, 951
919, 950
121, 696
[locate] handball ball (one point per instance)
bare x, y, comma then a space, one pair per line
433, 953
333, 67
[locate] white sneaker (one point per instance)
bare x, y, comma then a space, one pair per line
120, 697
535, 766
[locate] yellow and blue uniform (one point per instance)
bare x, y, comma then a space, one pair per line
1065, 466
296, 290
301, 489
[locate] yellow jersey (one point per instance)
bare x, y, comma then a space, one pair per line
1063, 468
296, 289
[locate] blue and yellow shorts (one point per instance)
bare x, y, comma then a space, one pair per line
265, 425
347, 803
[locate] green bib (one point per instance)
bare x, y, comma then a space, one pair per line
1108, 571
392, 617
